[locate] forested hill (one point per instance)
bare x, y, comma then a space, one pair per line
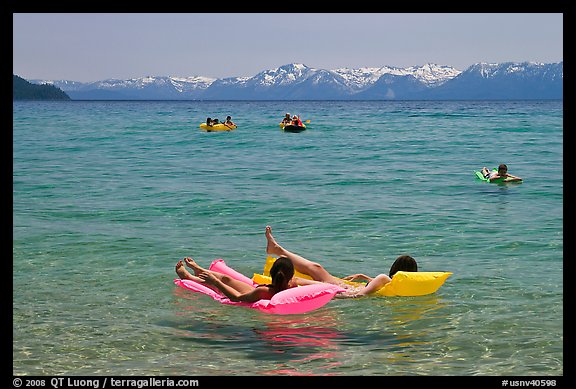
24, 90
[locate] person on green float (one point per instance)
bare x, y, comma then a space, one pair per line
502, 173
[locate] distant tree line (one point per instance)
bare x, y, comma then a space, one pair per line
24, 90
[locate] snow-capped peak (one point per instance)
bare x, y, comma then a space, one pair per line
296, 80
429, 74
283, 75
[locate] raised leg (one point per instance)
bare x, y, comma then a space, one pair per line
301, 264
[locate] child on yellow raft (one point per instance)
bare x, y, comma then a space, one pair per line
310, 272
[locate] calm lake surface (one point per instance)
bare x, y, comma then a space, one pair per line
108, 196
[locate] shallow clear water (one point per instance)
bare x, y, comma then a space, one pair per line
107, 196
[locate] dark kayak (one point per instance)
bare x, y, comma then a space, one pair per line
292, 128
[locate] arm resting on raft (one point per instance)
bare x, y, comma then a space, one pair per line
356, 277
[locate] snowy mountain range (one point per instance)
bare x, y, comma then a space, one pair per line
526, 80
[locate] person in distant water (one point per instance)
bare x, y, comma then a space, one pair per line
287, 119
502, 173
281, 272
296, 121
319, 274
210, 122
229, 121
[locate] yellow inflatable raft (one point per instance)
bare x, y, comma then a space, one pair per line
403, 283
217, 127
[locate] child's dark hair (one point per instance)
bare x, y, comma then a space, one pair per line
403, 263
281, 272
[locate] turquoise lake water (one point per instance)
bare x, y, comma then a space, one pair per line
108, 196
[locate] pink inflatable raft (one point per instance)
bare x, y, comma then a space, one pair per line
297, 300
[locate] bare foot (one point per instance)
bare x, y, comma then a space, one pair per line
194, 266
182, 272
272, 247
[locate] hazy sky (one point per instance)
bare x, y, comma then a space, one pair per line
97, 46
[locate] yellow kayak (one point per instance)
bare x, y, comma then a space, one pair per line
217, 127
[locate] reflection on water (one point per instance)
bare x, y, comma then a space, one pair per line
409, 309
328, 341
303, 341
107, 203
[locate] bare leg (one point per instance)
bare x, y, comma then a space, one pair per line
185, 274
194, 266
240, 286
301, 264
